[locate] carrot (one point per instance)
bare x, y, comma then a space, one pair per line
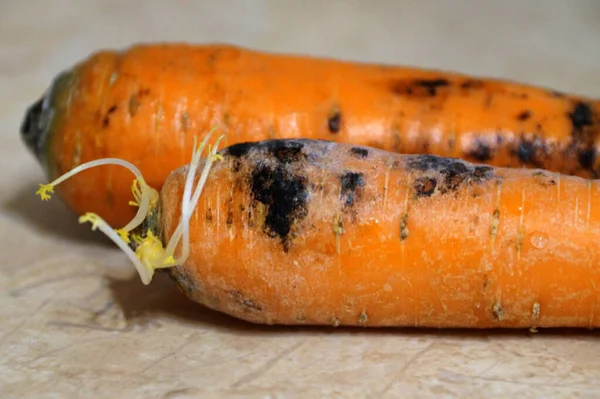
144, 104
313, 232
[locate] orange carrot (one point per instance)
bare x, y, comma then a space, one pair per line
315, 232
145, 104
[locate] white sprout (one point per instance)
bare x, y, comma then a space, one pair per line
150, 253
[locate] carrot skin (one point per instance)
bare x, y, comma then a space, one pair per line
320, 233
145, 105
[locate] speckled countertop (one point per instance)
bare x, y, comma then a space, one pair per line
76, 322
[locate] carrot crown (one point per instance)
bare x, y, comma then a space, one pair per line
150, 253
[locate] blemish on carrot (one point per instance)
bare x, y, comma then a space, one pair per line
209, 217
471, 84
359, 152
535, 311
525, 115
285, 151
239, 150
480, 150
424, 186
133, 105
363, 318
495, 222
184, 121
404, 227
334, 122
335, 322
543, 179
497, 311
106, 119
350, 182
285, 196
244, 303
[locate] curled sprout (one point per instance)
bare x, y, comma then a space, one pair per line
150, 254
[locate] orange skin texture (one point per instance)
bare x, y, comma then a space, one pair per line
518, 248
147, 103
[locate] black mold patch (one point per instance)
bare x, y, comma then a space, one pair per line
334, 122
581, 117
240, 149
526, 151
350, 182
285, 151
523, 116
424, 186
454, 171
480, 150
359, 152
285, 196
587, 158
245, 303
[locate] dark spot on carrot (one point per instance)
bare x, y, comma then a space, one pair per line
556, 93
471, 84
497, 311
454, 171
334, 122
284, 194
350, 182
245, 303
587, 158
431, 85
240, 149
404, 227
482, 173
480, 150
424, 186
359, 152
494, 223
285, 151
144, 92
184, 121
543, 179
486, 282
581, 117
106, 119
133, 105
209, 217
526, 151
229, 221
523, 116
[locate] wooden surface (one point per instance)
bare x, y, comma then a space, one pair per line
75, 320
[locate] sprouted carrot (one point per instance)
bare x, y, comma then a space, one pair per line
141, 104
322, 233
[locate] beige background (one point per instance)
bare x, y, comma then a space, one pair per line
76, 322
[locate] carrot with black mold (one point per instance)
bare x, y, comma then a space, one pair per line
314, 232
143, 104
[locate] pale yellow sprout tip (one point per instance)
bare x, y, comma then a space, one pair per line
123, 234
44, 191
92, 218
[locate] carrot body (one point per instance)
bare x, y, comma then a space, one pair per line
312, 232
145, 105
